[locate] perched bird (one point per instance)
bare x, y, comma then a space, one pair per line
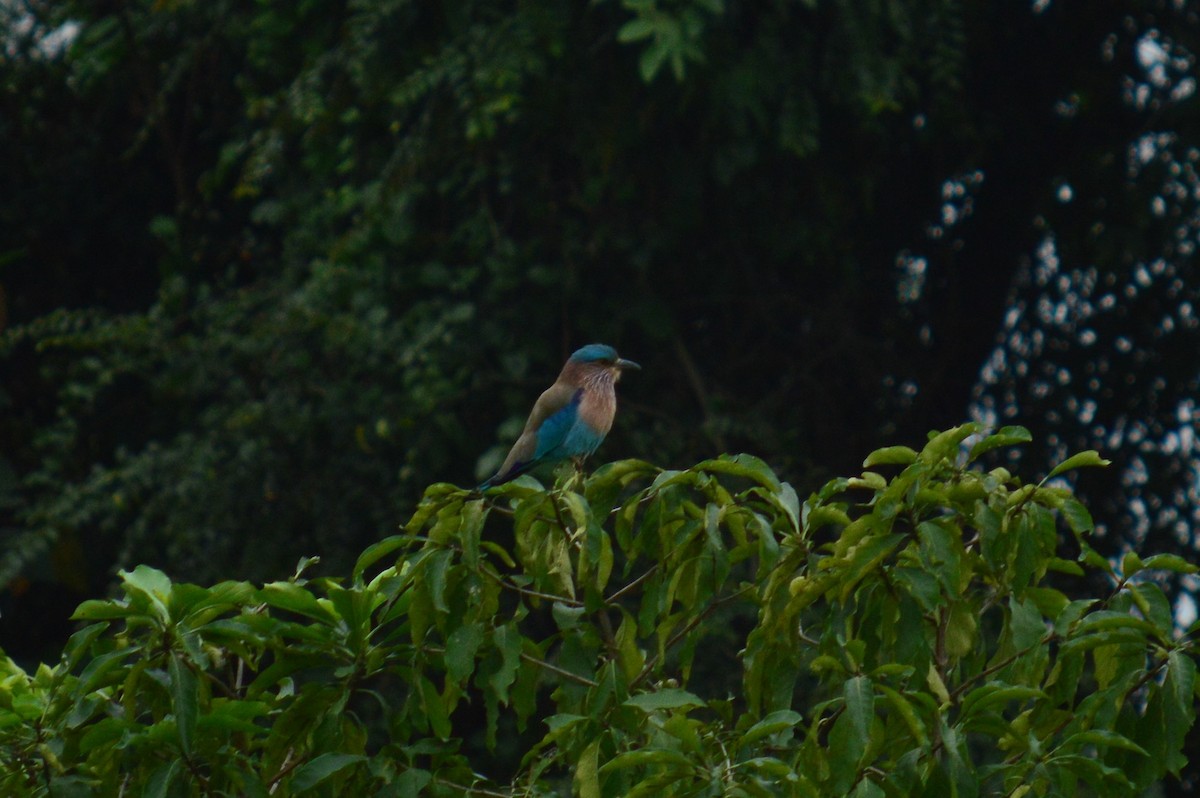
571, 417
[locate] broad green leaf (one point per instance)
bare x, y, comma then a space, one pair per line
1102, 778
636, 29
993, 693
377, 551
1078, 517
97, 610
1048, 601
1154, 606
312, 773
1025, 622
648, 757
1082, 460
433, 573
412, 781
1005, 436
890, 455
461, 646
960, 630
867, 789
80, 643
507, 640
153, 584
942, 550
945, 445
850, 734
98, 672
870, 480
1170, 562
771, 768
1179, 706
865, 558
908, 713
1111, 619
587, 778
667, 698
1103, 738
185, 701
630, 656
160, 781
742, 465
818, 517
436, 711
773, 723
296, 598
937, 685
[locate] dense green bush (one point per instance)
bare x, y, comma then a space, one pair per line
640, 631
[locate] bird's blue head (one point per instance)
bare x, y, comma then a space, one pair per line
593, 353
601, 356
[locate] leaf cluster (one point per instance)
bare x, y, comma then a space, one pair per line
886, 636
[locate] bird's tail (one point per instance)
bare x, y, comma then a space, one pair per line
508, 476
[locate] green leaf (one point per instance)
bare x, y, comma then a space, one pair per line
153, 584
97, 672
1082, 460
667, 698
1170, 562
960, 630
1005, 436
993, 693
865, 558
908, 713
890, 455
648, 757
323, 766
461, 646
636, 29
377, 551
1049, 603
742, 465
587, 777
1103, 738
773, 723
1078, 517
435, 709
1179, 706
160, 781
508, 641
412, 781
944, 445
295, 598
652, 59
96, 610
185, 701
80, 643
434, 568
851, 732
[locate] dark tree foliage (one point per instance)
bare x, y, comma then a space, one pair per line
269, 269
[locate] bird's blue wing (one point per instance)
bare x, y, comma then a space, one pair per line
555, 429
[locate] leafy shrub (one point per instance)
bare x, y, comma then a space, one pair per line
640, 631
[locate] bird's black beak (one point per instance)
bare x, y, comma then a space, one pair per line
623, 364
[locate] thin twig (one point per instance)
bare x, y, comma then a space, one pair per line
574, 677
616, 596
474, 790
685, 631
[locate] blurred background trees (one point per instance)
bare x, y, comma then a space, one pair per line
267, 270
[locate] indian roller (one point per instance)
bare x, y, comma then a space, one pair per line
571, 417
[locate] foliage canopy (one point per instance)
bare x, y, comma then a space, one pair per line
644, 631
